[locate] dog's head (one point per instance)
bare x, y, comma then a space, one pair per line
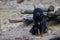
38, 12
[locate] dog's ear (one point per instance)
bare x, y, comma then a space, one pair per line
34, 6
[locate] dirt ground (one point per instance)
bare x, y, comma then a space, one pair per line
19, 31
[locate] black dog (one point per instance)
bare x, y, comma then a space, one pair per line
39, 22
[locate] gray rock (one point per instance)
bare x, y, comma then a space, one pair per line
57, 12
28, 20
27, 12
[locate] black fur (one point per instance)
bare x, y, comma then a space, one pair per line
38, 17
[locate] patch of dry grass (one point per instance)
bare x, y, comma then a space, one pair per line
7, 13
54, 26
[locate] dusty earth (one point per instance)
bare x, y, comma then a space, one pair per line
19, 31
22, 33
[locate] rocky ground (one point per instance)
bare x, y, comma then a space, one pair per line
22, 33
19, 31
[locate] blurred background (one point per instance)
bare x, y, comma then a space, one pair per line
12, 20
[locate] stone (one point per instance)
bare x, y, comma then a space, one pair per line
27, 12
28, 20
57, 12
15, 20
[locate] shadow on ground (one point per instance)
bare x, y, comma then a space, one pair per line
56, 38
